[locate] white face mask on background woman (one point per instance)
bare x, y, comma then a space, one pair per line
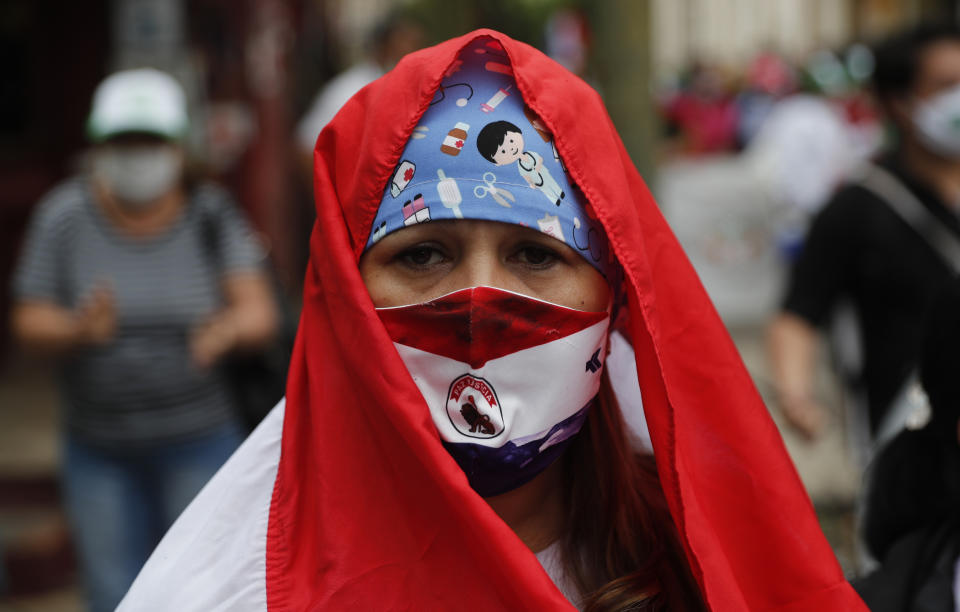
937, 120
139, 174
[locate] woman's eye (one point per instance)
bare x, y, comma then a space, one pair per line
536, 256
421, 256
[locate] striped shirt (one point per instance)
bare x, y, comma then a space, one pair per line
142, 386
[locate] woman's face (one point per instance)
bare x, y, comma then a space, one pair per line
138, 170
428, 260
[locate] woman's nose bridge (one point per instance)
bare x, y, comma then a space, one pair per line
484, 268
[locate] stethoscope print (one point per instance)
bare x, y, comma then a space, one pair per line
593, 245
443, 94
539, 174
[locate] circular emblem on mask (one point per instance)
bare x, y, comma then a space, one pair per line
473, 407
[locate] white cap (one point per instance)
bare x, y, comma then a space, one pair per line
142, 100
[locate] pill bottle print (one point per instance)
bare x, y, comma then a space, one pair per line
455, 139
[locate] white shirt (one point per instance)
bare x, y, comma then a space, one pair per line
552, 563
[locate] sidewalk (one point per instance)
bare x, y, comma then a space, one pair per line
34, 539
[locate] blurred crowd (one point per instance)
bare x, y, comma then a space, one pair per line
708, 109
158, 295
799, 128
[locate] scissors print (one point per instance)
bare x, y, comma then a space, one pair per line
498, 193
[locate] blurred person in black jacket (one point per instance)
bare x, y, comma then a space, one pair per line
861, 250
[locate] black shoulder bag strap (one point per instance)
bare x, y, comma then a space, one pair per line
257, 380
905, 204
908, 405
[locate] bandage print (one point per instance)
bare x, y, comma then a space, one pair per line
449, 193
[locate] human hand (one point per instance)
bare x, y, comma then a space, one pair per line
97, 316
212, 339
804, 415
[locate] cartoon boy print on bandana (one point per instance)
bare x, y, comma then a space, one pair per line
501, 143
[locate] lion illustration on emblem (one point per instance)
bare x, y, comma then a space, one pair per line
475, 418
473, 407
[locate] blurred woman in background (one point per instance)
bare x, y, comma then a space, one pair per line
140, 282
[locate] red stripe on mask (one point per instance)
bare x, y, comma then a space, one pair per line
482, 323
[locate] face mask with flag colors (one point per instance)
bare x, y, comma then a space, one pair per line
508, 378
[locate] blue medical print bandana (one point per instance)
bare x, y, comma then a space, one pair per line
480, 153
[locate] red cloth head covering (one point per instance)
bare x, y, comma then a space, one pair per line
369, 512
